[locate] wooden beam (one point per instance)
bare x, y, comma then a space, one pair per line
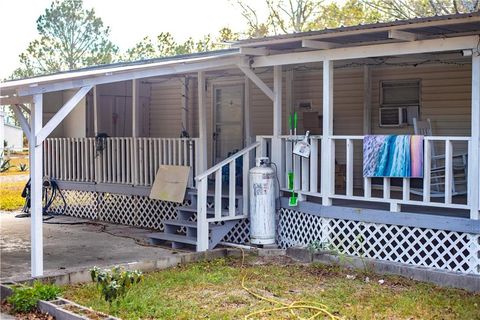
254, 51
5, 101
61, 114
255, 79
23, 121
402, 35
370, 51
36, 211
118, 76
322, 45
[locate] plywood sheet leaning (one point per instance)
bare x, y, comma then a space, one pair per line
170, 183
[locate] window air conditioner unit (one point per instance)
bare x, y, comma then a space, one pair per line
397, 116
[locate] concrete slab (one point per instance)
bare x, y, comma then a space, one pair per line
72, 244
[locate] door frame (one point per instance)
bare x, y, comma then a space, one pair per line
226, 83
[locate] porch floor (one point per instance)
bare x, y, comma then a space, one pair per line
439, 211
69, 247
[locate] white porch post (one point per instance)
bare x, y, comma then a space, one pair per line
202, 223
135, 104
202, 123
328, 147
474, 152
95, 112
276, 155
36, 156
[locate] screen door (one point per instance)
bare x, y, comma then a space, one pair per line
228, 131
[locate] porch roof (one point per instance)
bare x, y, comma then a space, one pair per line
381, 32
265, 51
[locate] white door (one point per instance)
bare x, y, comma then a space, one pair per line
228, 129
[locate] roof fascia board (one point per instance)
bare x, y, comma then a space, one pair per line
212, 64
390, 49
404, 27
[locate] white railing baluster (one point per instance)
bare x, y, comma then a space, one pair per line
349, 167
448, 171
296, 172
305, 165
231, 193
314, 165
288, 159
386, 188
406, 189
218, 194
151, 164
367, 187
427, 170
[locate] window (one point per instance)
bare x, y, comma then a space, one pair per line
399, 102
400, 93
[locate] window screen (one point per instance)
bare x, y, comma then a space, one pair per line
400, 93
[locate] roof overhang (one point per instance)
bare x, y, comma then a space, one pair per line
96, 76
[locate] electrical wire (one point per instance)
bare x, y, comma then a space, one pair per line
318, 308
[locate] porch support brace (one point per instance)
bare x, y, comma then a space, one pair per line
328, 147
474, 154
36, 155
276, 156
23, 121
255, 79
24, 108
61, 114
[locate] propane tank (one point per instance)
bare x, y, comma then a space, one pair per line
262, 203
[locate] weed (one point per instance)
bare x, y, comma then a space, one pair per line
25, 299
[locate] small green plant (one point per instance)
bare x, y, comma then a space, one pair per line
25, 299
115, 283
317, 245
5, 164
22, 167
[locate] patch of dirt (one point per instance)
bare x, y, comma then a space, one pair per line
90, 314
34, 315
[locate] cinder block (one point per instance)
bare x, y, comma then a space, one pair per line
300, 253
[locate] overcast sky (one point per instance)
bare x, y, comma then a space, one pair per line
129, 21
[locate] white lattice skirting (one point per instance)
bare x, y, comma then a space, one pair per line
138, 211
440, 249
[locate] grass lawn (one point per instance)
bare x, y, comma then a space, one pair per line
10, 198
212, 290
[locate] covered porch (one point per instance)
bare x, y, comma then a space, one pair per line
109, 177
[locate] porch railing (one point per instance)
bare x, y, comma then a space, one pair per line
446, 189
226, 208
118, 160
